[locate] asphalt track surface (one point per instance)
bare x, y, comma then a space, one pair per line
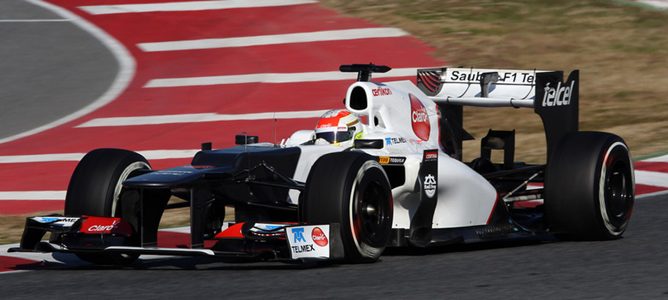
48, 68
633, 267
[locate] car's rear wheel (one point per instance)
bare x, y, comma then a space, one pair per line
95, 189
352, 189
589, 188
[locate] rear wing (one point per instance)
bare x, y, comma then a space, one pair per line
556, 102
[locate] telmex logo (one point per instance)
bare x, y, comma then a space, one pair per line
419, 119
381, 92
298, 235
559, 96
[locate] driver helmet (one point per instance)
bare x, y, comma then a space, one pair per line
338, 125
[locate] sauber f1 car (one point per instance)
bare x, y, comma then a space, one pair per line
400, 182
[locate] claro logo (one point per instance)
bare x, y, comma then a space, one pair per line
559, 96
102, 228
419, 119
319, 237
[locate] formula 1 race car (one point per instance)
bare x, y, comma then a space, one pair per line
400, 182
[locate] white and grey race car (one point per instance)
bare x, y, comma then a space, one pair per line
402, 184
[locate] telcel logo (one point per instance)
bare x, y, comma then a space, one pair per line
559, 96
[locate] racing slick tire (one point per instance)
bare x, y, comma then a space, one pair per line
95, 188
352, 189
589, 187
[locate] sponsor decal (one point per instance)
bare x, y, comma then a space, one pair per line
381, 91
419, 118
173, 172
429, 185
394, 140
391, 160
429, 173
505, 77
58, 221
384, 160
397, 160
267, 226
557, 96
199, 167
495, 231
99, 225
298, 234
319, 237
46, 219
430, 155
267, 230
314, 245
102, 228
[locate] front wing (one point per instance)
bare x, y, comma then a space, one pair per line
248, 240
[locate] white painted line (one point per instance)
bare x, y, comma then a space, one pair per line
271, 78
196, 118
9, 159
187, 6
33, 20
126, 70
13, 272
302, 37
663, 158
661, 4
650, 195
33, 195
652, 178
149, 154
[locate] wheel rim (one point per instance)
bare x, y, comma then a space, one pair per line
371, 211
371, 215
616, 189
618, 193
138, 165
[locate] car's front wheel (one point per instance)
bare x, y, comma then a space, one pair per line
352, 189
95, 189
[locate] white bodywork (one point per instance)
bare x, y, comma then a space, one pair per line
408, 128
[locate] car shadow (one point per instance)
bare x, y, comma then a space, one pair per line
69, 262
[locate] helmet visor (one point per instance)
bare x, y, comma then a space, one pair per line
334, 136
